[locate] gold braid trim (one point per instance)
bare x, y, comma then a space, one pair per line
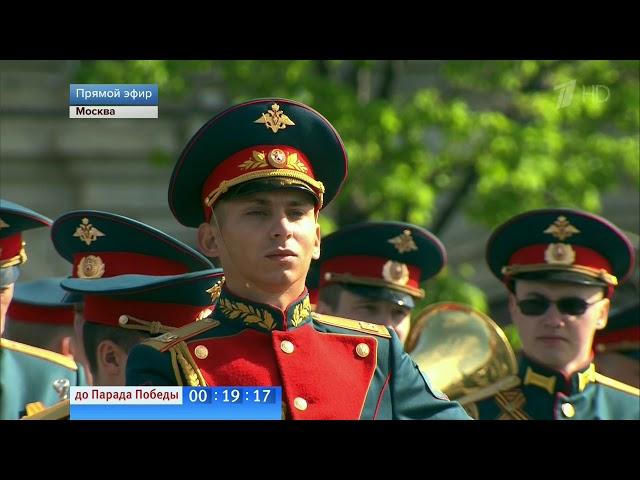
154, 328
227, 184
592, 272
302, 311
176, 368
373, 282
192, 373
511, 403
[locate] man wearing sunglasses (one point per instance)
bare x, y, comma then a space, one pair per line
560, 267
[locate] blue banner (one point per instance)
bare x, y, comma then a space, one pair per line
197, 403
109, 94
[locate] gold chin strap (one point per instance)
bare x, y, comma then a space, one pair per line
511, 270
226, 185
538, 380
373, 282
17, 260
133, 323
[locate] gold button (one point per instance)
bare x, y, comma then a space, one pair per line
286, 346
568, 410
363, 350
123, 320
300, 403
201, 352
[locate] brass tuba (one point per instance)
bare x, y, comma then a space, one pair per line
464, 353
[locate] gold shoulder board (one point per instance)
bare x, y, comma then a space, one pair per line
58, 411
39, 353
167, 340
610, 382
364, 327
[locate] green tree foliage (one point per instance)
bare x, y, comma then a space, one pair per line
489, 138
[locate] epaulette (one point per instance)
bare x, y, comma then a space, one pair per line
58, 411
610, 382
364, 327
39, 353
167, 340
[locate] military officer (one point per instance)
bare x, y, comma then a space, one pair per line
31, 378
372, 271
252, 180
102, 245
127, 309
135, 307
561, 267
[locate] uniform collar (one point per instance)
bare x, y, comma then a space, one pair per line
552, 381
235, 311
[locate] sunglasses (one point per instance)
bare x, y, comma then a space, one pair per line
568, 305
